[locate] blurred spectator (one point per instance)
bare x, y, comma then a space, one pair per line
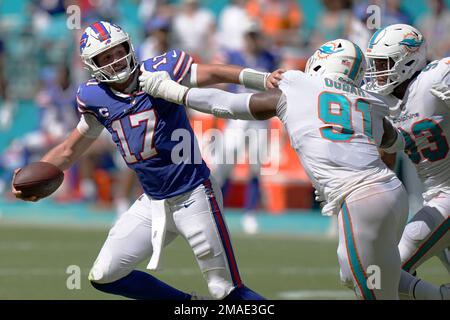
43, 11
359, 32
256, 55
392, 12
58, 116
230, 33
294, 58
149, 9
156, 42
57, 102
193, 29
435, 26
6, 104
94, 10
280, 19
334, 23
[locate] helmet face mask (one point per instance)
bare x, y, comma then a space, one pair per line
382, 74
99, 38
339, 59
394, 55
118, 70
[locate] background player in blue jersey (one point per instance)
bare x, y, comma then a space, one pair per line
179, 196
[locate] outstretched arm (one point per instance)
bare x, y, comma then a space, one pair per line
246, 106
208, 74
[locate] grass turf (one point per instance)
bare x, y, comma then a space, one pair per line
34, 260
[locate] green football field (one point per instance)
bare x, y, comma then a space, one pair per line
34, 260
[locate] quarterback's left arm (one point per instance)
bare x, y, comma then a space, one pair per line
222, 104
209, 74
179, 67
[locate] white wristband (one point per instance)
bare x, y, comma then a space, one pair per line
253, 79
398, 145
193, 80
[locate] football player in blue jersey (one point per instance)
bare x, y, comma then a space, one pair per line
180, 197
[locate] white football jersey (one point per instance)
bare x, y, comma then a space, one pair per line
424, 122
336, 129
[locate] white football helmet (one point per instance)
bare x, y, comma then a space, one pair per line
341, 59
403, 49
99, 37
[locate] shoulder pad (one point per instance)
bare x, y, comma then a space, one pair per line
90, 94
176, 62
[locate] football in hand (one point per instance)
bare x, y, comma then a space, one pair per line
38, 179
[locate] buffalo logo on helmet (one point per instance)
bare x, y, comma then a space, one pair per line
411, 41
83, 41
328, 49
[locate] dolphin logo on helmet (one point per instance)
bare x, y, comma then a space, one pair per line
411, 41
339, 59
329, 48
395, 53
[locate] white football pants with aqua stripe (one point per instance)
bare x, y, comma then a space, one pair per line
196, 216
371, 222
427, 234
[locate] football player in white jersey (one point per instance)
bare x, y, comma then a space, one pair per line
398, 70
336, 129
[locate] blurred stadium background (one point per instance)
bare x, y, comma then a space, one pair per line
289, 249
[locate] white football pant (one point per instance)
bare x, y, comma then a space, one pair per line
371, 222
427, 234
195, 215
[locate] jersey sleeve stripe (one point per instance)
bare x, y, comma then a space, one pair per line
82, 108
186, 60
179, 63
186, 69
81, 103
86, 111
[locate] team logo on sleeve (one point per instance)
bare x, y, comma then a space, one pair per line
411, 41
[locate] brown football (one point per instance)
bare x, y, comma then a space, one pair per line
38, 179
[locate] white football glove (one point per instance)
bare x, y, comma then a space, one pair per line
442, 92
158, 84
320, 198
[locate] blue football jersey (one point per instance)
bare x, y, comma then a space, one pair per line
149, 131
